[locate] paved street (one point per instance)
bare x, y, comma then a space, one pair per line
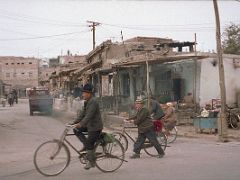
200, 158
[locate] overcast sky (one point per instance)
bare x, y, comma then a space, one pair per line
48, 28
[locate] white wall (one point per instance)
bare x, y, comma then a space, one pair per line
209, 81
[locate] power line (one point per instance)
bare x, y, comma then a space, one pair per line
31, 19
41, 22
42, 37
175, 29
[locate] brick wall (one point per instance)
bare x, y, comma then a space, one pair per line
19, 71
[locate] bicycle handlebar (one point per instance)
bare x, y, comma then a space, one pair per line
70, 125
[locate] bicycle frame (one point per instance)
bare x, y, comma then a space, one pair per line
63, 139
128, 135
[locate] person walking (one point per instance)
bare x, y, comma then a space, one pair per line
89, 120
10, 99
145, 130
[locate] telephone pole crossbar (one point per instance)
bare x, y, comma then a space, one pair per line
93, 25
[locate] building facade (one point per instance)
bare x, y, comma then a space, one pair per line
19, 72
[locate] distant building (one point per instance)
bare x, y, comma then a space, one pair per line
44, 63
53, 62
69, 59
19, 72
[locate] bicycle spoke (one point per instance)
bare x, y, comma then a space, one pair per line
234, 121
150, 149
109, 157
122, 139
50, 159
172, 136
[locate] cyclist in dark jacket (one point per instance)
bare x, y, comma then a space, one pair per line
89, 121
156, 110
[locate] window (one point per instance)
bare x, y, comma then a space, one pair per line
6, 63
14, 74
12, 63
30, 74
30, 62
125, 85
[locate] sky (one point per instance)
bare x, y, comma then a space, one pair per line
49, 28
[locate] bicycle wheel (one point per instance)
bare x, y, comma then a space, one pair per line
172, 136
150, 149
122, 139
51, 158
234, 121
109, 156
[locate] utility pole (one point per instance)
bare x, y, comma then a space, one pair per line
122, 37
148, 89
195, 71
222, 123
93, 24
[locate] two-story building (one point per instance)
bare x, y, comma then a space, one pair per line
19, 72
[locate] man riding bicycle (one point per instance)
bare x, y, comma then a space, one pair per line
89, 120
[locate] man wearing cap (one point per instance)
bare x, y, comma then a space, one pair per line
89, 120
145, 130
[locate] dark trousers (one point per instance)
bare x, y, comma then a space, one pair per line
151, 135
90, 140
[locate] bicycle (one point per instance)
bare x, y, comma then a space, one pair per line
160, 127
148, 147
233, 117
52, 157
172, 136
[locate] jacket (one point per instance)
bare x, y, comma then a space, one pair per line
170, 115
156, 110
143, 121
90, 117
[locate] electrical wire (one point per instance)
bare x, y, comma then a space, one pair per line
31, 19
53, 47
164, 28
42, 37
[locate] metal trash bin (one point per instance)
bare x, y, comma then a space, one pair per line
201, 123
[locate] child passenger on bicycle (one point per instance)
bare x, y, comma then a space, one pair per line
145, 130
170, 118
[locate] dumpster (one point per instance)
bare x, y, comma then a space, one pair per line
202, 123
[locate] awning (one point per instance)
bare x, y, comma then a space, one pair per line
67, 71
87, 67
161, 60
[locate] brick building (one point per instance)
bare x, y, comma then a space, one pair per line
19, 72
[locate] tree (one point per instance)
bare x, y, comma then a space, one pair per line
231, 39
